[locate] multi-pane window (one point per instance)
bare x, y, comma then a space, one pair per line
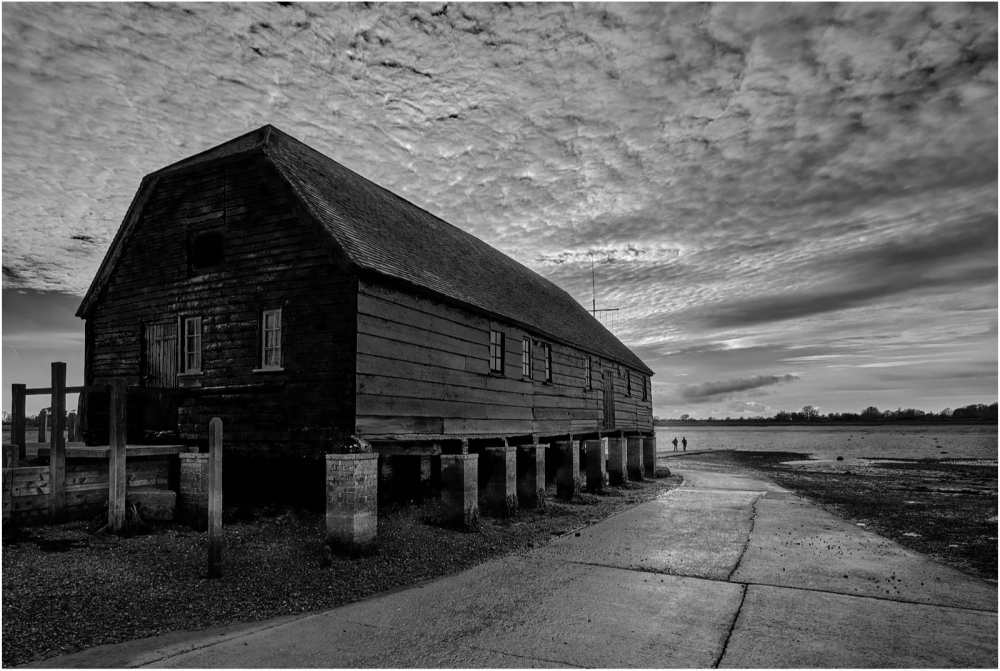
547, 348
271, 339
588, 371
526, 358
191, 359
628, 382
496, 351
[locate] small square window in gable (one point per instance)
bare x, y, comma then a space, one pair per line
206, 251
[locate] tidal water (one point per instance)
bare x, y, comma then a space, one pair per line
830, 442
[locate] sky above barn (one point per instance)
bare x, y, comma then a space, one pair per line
789, 204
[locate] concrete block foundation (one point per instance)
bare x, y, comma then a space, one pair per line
531, 476
498, 482
351, 502
568, 471
617, 457
460, 489
634, 459
597, 472
649, 456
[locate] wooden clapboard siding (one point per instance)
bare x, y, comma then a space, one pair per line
423, 368
273, 259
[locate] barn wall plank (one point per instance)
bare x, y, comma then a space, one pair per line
271, 260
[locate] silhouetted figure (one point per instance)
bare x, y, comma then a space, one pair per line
684, 441
675, 443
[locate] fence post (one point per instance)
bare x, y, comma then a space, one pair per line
116, 457
215, 498
57, 442
43, 421
17, 410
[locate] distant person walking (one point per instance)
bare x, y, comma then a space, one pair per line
685, 443
675, 443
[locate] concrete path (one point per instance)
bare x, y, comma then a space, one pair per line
725, 571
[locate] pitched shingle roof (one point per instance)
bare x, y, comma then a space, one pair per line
385, 234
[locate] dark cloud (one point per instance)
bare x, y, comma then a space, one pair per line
949, 260
714, 391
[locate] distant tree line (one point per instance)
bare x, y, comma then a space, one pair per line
29, 420
976, 412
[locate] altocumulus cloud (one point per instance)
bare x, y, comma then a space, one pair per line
714, 391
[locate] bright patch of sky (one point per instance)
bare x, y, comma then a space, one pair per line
764, 190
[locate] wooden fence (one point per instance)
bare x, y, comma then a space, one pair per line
85, 487
77, 488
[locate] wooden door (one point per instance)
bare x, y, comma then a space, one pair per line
159, 411
609, 400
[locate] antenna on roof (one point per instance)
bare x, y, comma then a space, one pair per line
607, 316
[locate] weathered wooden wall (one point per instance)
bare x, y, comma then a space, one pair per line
272, 259
86, 486
423, 369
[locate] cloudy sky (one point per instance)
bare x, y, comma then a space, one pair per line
790, 204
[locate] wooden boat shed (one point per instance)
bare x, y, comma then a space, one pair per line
266, 284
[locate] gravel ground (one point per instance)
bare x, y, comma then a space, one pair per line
66, 589
945, 509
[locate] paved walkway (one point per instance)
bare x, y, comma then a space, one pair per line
725, 571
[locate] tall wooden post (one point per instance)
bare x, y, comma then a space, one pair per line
17, 410
43, 422
57, 442
215, 498
116, 458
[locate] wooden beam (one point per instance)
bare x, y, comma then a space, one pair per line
116, 461
215, 498
17, 409
42, 391
57, 442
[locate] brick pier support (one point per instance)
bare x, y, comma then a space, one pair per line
634, 449
460, 489
616, 460
649, 456
597, 472
351, 501
498, 481
567, 485
192, 504
531, 476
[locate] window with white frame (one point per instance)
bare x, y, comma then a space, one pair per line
270, 330
496, 351
191, 343
628, 382
526, 358
547, 348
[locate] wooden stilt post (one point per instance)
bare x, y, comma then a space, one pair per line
17, 410
57, 442
116, 458
70, 427
215, 498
